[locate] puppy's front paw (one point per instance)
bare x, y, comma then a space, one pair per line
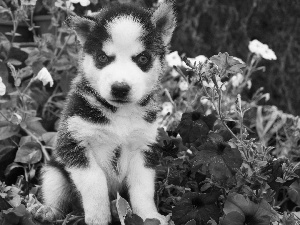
98, 218
155, 215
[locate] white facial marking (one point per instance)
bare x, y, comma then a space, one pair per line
125, 33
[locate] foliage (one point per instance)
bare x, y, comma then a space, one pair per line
225, 159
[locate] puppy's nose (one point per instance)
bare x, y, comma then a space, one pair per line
120, 89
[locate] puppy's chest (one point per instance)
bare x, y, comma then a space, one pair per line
127, 131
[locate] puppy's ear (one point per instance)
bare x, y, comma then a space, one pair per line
165, 20
82, 26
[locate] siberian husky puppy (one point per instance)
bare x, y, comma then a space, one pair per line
108, 129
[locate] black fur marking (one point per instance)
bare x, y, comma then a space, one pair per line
150, 116
86, 88
79, 106
152, 156
115, 159
70, 151
145, 100
99, 64
144, 66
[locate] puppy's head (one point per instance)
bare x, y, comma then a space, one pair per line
123, 49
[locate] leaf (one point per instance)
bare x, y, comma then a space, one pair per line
29, 153
13, 196
134, 220
151, 222
191, 222
8, 131
227, 63
123, 208
49, 138
14, 62
254, 213
219, 160
294, 192
10, 167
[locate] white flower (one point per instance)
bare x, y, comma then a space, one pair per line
261, 49
249, 84
64, 5
45, 77
174, 73
173, 59
183, 85
199, 59
82, 2
237, 79
167, 107
2, 87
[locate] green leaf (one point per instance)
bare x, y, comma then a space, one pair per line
10, 167
123, 208
8, 131
294, 192
152, 222
227, 63
254, 213
219, 160
49, 138
14, 62
29, 153
134, 220
191, 222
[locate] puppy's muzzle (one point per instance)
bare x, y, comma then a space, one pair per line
120, 90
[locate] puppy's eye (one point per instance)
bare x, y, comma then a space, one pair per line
103, 58
143, 59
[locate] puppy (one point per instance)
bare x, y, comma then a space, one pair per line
108, 128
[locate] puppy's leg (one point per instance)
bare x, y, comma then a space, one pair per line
92, 184
55, 190
141, 186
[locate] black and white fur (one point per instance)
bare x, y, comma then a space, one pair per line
108, 129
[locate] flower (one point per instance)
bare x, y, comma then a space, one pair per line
167, 107
262, 50
195, 61
2, 87
183, 85
198, 207
82, 2
173, 59
242, 210
237, 79
45, 77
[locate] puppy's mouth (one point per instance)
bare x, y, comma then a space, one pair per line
120, 101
